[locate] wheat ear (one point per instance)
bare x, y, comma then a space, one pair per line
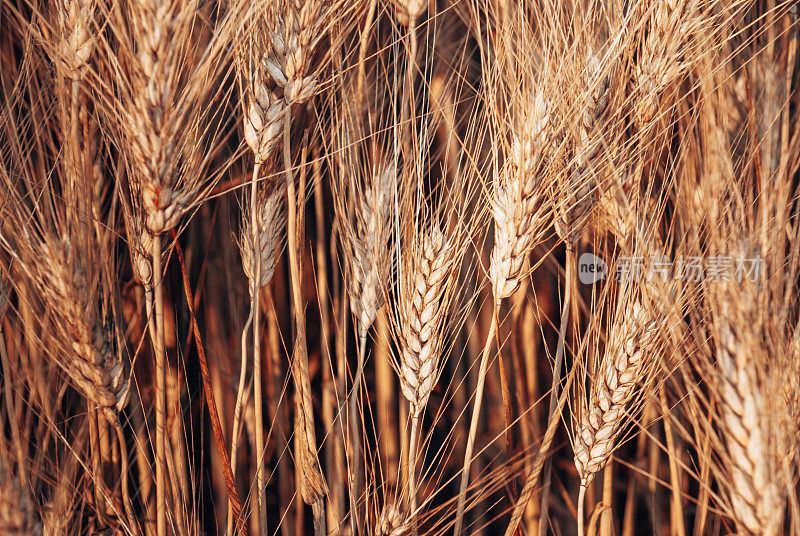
577, 198
625, 364
422, 316
519, 219
312, 484
756, 493
261, 238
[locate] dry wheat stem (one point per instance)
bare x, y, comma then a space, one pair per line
312, 483
559, 360
261, 476
473, 425
161, 391
530, 483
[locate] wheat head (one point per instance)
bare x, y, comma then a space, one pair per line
271, 219
422, 315
615, 385
516, 201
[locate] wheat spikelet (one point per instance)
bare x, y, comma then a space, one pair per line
578, 194
295, 32
408, 11
84, 347
263, 111
140, 245
516, 201
76, 38
661, 61
263, 123
616, 383
271, 218
392, 521
422, 315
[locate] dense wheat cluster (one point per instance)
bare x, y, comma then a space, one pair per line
399, 267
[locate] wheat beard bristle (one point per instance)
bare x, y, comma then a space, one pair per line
271, 219
756, 492
515, 200
615, 386
263, 118
422, 317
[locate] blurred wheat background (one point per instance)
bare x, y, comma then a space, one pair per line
399, 267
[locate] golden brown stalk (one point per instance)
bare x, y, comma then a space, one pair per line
312, 484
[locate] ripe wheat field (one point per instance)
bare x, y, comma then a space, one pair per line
399, 267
